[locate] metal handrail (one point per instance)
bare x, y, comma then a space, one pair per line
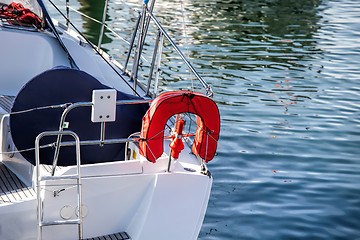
102, 25
132, 42
97, 142
113, 66
208, 89
141, 27
84, 104
39, 179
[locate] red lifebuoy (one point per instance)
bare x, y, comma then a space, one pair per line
171, 103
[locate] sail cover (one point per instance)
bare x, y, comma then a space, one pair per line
64, 85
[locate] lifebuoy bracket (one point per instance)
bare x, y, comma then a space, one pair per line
171, 103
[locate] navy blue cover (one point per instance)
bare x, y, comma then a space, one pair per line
64, 85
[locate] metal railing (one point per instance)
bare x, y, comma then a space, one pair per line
77, 143
144, 25
40, 214
101, 140
140, 31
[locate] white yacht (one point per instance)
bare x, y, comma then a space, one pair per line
88, 151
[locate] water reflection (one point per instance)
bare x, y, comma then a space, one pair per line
275, 37
94, 9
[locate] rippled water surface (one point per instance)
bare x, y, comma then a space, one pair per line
286, 78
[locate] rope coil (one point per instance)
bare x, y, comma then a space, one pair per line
17, 14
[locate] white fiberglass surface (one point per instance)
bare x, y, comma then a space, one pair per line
35, 53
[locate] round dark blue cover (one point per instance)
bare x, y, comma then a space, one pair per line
64, 85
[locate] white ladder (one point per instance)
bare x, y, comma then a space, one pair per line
39, 179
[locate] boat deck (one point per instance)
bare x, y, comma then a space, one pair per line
12, 189
6, 102
115, 236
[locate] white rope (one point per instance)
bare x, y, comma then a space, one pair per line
64, 105
84, 15
147, 146
30, 110
29, 149
202, 129
155, 135
19, 151
109, 28
97, 21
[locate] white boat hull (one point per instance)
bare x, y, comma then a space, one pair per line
144, 205
135, 197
